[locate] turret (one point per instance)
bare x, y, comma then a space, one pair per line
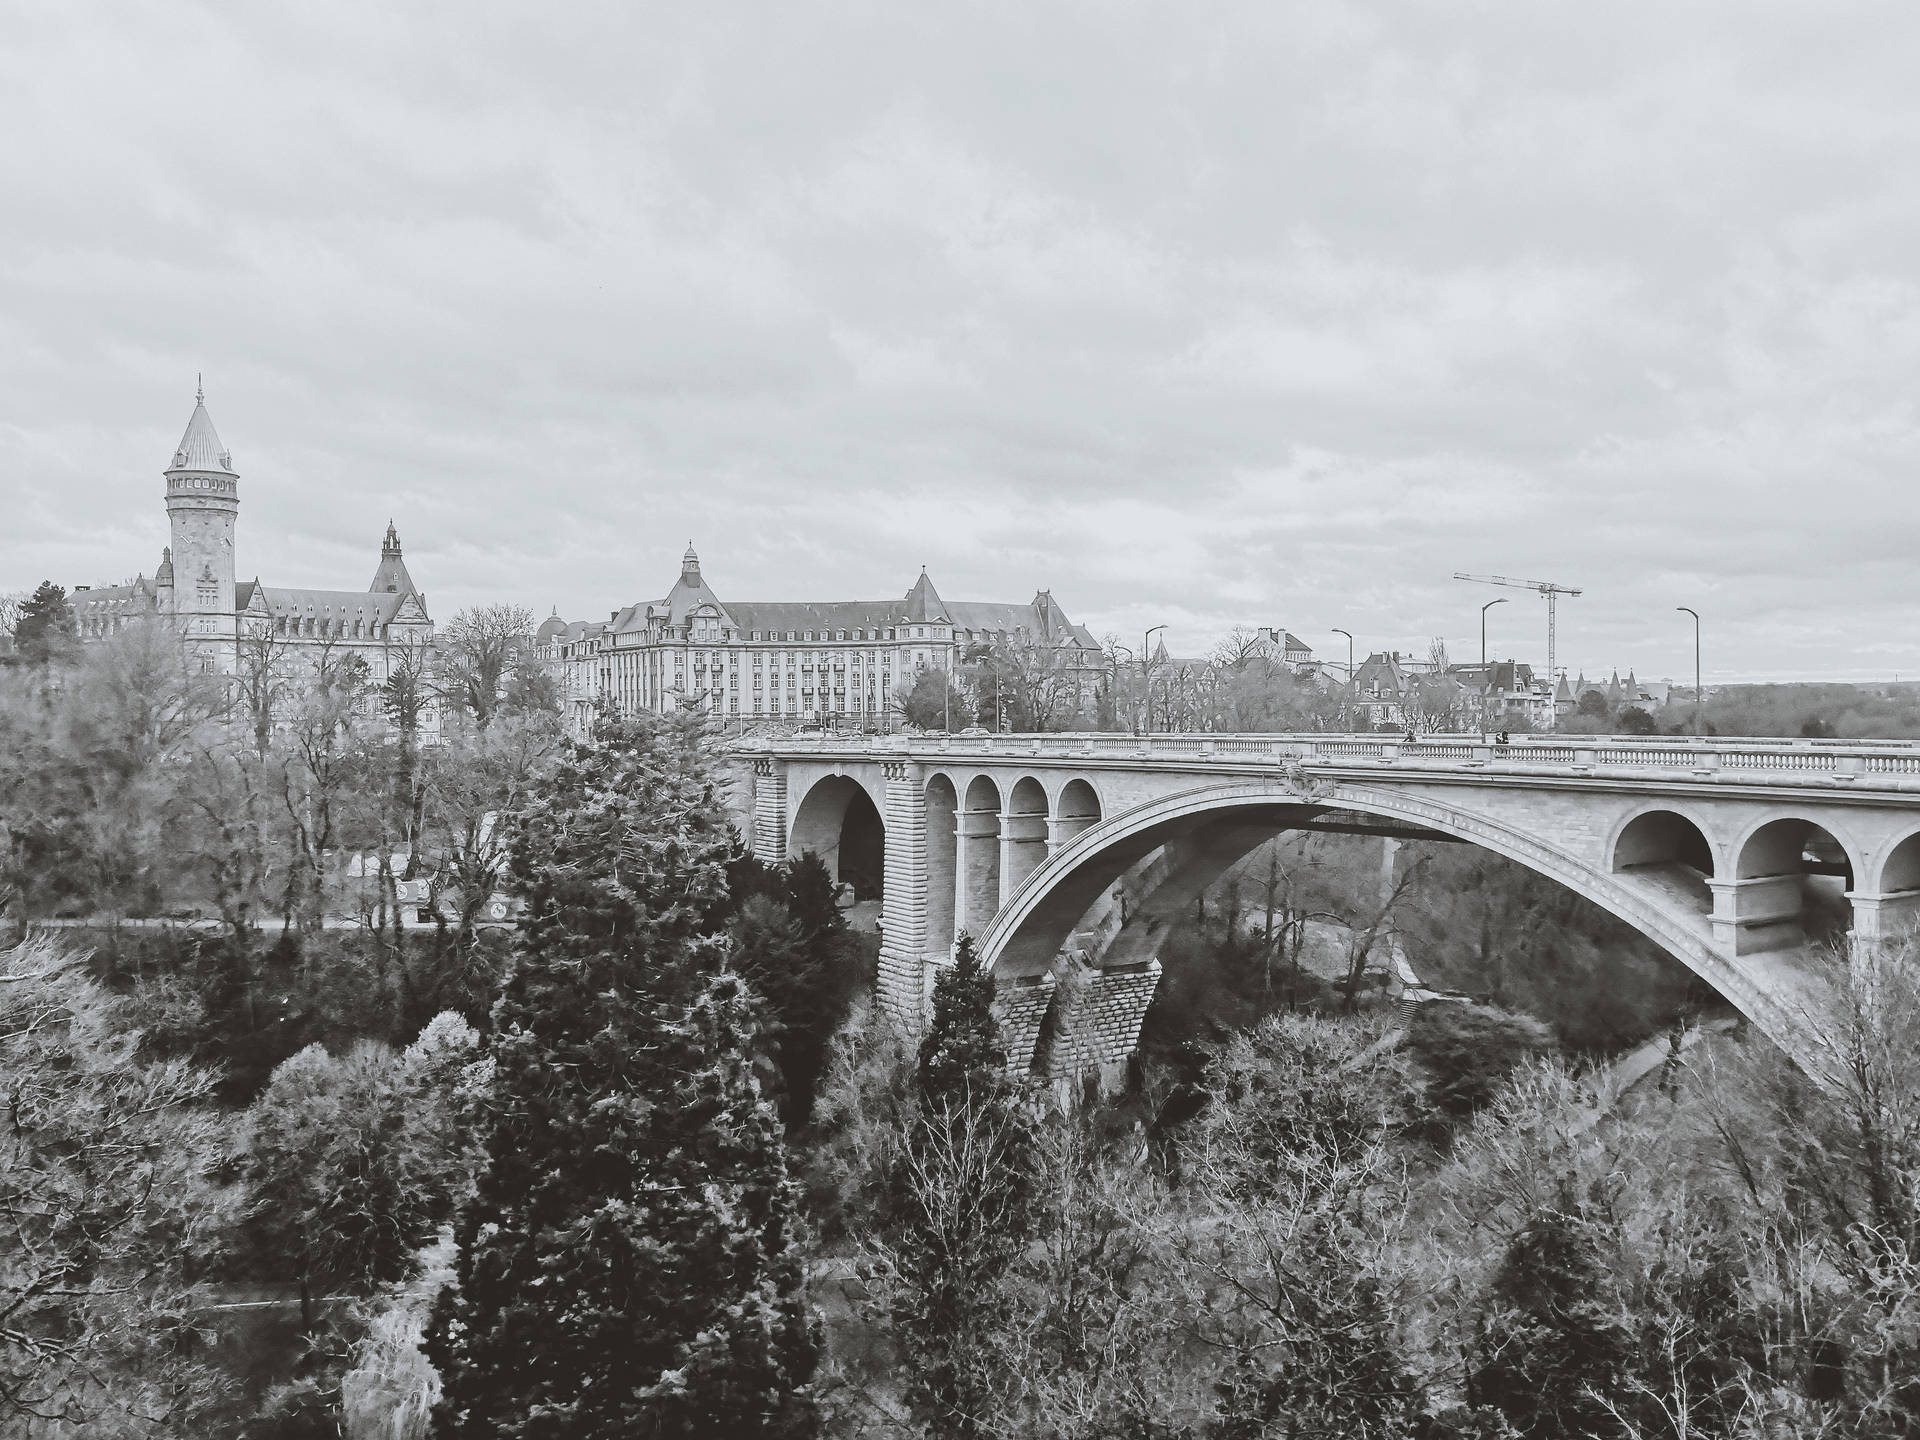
203, 504
690, 567
163, 582
391, 578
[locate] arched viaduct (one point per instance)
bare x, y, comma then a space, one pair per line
1713, 850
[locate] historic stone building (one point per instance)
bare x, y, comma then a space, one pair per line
833, 662
231, 623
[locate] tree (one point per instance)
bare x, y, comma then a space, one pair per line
628, 1264
1468, 1050
966, 1199
931, 701
107, 1207
1025, 685
481, 651
44, 629
797, 954
264, 679
1634, 720
1554, 1343
354, 1160
11, 603
962, 1054
1293, 1168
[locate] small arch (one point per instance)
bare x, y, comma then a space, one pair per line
1669, 849
941, 806
1024, 832
977, 846
1792, 878
1077, 809
1900, 871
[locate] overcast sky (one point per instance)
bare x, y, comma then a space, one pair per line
1272, 313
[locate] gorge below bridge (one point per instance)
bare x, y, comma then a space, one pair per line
1713, 849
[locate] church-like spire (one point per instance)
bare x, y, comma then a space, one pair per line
391, 545
690, 566
200, 447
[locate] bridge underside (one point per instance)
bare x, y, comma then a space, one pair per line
1774, 977
1735, 873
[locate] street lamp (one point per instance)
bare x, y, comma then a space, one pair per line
1696, 666
1483, 629
1146, 702
1350, 690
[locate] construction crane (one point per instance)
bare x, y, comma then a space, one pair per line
1547, 588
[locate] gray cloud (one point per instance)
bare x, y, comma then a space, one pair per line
1205, 314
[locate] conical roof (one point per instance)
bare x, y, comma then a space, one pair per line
924, 602
392, 577
200, 447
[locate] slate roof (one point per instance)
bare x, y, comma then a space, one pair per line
392, 577
200, 447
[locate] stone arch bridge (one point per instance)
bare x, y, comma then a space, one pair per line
1714, 849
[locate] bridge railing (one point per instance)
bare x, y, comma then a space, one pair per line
1588, 754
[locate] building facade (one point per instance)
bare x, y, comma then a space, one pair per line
230, 623
834, 663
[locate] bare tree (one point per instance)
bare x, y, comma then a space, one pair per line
320, 768
480, 648
264, 679
10, 606
1366, 930
1239, 647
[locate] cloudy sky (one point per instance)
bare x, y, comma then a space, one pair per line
1195, 313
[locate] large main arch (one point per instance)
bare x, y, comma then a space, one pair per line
838, 821
1214, 826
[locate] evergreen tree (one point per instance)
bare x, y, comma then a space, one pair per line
965, 1203
962, 1053
45, 627
792, 943
1554, 1339
629, 1264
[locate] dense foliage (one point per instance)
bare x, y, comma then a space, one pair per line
629, 1261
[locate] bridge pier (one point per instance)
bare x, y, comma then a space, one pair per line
902, 981
1757, 913
1885, 916
769, 838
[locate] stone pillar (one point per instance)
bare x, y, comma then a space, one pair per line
1883, 917
903, 981
1022, 1008
976, 867
769, 810
1023, 847
1761, 912
1095, 1023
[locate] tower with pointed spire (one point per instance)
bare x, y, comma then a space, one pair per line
391, 578
203, 505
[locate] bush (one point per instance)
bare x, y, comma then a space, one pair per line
1467, 1051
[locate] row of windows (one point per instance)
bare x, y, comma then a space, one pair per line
713, 630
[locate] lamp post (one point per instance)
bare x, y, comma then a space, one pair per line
1144, 717
1696, 666
1483, 629
1350, 689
